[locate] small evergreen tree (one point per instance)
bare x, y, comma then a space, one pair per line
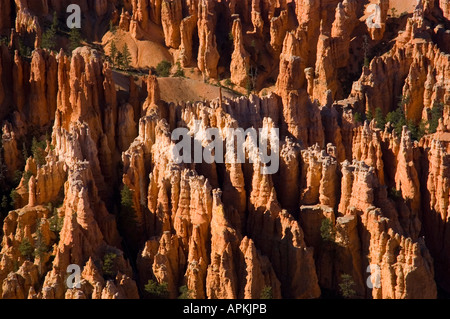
74, 39
26, 249
437, 112
113, 53
127, 217
112, 27
252, 80
14, 197
126, 57
56, 222
404, 100
49, 36
380, 119
417, 131
127, 197
230, 36
185, 293
109, 265
358, 117
395, 194
366, 51
5, 202
38, 150
369, 115
4, 41
394, 12
41, 248
229, 84
163, 69
24, 151
24, 50
156, 290
55, 22
128, 212
346, 286
266, 293
49, 40
119, 60
26, 177
180, 72
397, 120
17, 176
327, 231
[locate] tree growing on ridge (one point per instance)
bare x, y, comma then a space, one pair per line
113, 53
49, 36
126, 57
74, 39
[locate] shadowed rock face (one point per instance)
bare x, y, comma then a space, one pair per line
102, 190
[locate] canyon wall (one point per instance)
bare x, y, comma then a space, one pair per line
350, 200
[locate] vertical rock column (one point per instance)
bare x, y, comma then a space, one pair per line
208, 56
240, 60
171, 16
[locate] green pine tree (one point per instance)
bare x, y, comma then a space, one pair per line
163, 69
229, 84
38, 150
417, 131
112, 27
404, 100
180, 72
394, 12
41, 248
437, 112
128, 212
24, 50
156, 290
119, 60
366, 51
369, 115
74, 39
395, 194
185, 293
358, 117
127, 217
49, 36
5, 202
26, 177
397, 119
14, 197
26, 249
113, 53
327, 231
252, 74
266, 293
56, 222
380, 119
346, 286
126, 57
109, 265
24, 151
55, 22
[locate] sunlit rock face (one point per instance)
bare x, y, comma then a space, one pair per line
358, 95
